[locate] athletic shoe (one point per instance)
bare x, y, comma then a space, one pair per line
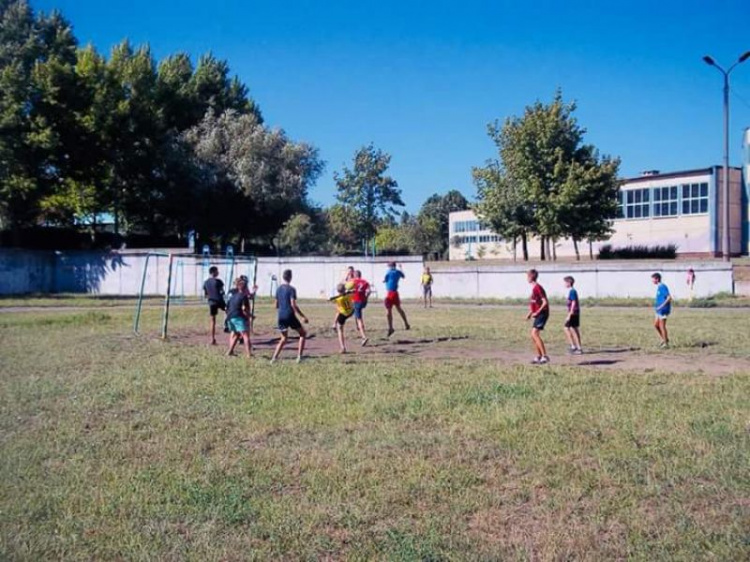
364, 341
273, 360
664, 345
407, 327
572, 350
299, 359
536, 361
578, 351
544, 360
390, 333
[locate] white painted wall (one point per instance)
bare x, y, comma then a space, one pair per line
620, 279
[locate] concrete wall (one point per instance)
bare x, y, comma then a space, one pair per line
621, 279
120, 273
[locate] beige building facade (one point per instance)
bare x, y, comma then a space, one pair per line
681, 208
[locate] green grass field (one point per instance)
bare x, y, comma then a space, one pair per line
443, 447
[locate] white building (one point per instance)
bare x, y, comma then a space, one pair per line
680, 208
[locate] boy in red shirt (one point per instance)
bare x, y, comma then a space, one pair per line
539, 311
361, 293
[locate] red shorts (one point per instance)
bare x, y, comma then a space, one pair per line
392, 299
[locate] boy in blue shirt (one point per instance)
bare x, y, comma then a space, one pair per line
288, 312
662, 308
573, 319
392, 299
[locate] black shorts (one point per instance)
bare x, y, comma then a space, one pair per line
540, 321
574, 322
342, 318
292, 322
215, 306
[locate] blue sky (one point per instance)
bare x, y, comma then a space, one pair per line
422, 79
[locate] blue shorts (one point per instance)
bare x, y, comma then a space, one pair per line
238, 324
288, 322
358, 308
540, 321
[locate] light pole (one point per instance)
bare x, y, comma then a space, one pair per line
725, 250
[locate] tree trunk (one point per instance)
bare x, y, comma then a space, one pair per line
575, 246
591, 250
515, 249
542, 249
525, 247
554, 249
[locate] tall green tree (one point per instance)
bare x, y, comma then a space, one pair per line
367, 191
541, 157
433, 218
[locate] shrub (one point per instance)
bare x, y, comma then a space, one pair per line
668, 252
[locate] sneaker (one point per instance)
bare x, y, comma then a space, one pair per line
664, 345
390, 332
407, 327
536, 361
572, 350
543, 360
364, 341
299, 359
273, 360
578, 351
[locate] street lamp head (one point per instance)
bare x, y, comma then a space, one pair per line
744, 57
709, 61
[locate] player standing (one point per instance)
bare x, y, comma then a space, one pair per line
359, 297
426, 283
238, 317
573, 319
662, 309
286, 304
539, 311
213, 290
392, 299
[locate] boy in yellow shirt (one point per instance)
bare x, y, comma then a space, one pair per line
345, 309
426, 283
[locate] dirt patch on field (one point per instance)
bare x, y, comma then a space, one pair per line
457, 348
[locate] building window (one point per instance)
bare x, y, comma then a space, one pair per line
620, 207
465, 226
665, 201
694, 198
638, 203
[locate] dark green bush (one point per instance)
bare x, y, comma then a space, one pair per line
668, 252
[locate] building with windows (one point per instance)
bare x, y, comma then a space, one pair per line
680, 208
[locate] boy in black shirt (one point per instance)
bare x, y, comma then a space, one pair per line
213, 289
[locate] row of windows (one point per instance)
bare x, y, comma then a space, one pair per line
687, 199
466, 226
481, 239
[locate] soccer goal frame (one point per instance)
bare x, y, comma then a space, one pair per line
175, 261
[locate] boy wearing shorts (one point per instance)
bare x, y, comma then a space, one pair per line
359, 297
392, 299
426, 283
662, 309
344, 311
213, 290
288, 310
573, 319
539, 312
238, 317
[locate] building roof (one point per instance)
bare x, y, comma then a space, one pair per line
675, 175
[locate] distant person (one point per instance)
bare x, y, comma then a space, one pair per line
392, 299
288, 310
539, 312
238, 317
344, 311
662, 308
213, 290
360, 297
691, 282
426, 283
573, 319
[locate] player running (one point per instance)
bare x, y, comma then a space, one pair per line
392, 299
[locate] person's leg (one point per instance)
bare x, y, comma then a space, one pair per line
569, 336
342, 338
248, 347
576, 335
213, 329
430, 297
403, 316
535, 343
301, 346
657, 327
232, 342
389, 317
280, 346
664, 333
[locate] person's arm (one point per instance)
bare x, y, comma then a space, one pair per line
296, 308
665, 303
